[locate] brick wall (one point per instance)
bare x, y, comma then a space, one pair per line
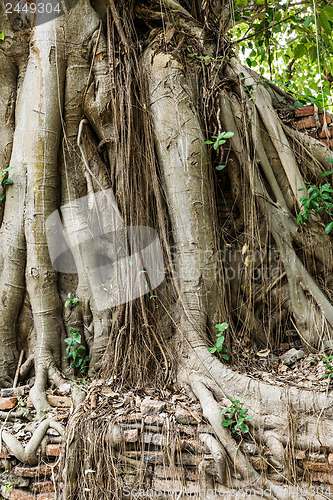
169, 466
312, 121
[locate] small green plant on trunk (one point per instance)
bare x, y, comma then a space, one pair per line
235, 416
220, 338
5, 181
74, 346
316, 200
71, 302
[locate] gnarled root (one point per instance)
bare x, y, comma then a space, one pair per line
28, 454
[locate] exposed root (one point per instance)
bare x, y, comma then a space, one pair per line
218, 455
28, 454
251, 478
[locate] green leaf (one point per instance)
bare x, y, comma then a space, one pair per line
77, 338
209, 142
243, 412
227, 135
221, 326
220, 167
225, 356
324, 19
327, 172
244, 428
7, 181
219, 342
307, 22
313, 54
227, 423
329, 227
299, 51
330, 160
298, 104
212, 349
225, 410
2, 36
2, 197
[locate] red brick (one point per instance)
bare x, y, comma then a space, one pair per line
131, 417
131, 435
284, 346
60, 401
328, 119
322, 477
7, 403
154, 420
305, 111
311, 122
40, 470
325, 135
306, 123
53, 450
43, 487
317, 466
19, 495
4, 453
328, 142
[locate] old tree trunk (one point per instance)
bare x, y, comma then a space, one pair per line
118, 97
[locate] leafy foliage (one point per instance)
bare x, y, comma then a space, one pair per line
71, 302
328, 360
2, 36
316, 200
5, 180
220, 338
289, 43
219, 140
74, 345
237, 415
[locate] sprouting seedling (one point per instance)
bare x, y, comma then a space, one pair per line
328, 360
71, 302
220, 338
72, 351
236, 416
317, 199
219, 141
5, 180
